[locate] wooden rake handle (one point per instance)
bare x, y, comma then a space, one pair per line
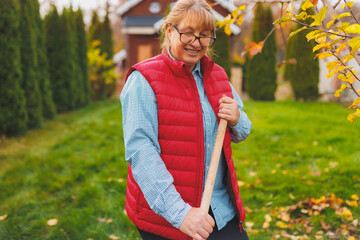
210, 180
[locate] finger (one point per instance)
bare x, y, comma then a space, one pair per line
210, 220
204, 233
198, 237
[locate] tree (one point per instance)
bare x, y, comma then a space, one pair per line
48, 106
301, 69
94, 33
13, 115
261, 72
101, 73
222, 51
107, 45
336, 38
82, 54
28, 54
53, 40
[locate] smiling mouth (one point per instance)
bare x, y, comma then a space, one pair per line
192, 52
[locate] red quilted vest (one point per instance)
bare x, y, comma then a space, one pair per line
181, 138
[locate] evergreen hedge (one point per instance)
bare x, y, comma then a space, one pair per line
28, 54
261, 69
303, 73
48, 106
13, 115
222, 51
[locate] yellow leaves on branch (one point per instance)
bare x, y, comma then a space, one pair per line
351, 116
234, 17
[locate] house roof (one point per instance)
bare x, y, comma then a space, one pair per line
156, 21
141, 21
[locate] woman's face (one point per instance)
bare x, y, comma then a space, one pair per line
188, 53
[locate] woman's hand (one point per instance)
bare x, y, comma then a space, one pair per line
197, 224
229, 110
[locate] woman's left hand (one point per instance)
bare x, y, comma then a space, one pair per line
229, 110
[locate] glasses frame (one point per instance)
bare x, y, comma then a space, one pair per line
197, 37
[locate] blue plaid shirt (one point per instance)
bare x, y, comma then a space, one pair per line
142, 150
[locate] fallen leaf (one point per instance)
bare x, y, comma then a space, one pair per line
351, 238
101, 219
248, 210
113, 237
355, 197
241, 183
352, 203
120, 180
52, 222
281, 224
266, 225
291, 196
109, 221
3, 217
325, 226
249, 224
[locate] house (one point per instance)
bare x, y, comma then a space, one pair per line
142, 20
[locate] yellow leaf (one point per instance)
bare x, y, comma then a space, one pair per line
307, 5
52, 222
355, 103
323, 55
291, 196
351, 238
221, 23
343, 26
354, 44
349, 4
227, 30
346, 58
352, 203
330, 23
301, 16
354, 28
235, 13
240, 19
355, 197
342, 88
281, 224
284, 19
346, 14
297, 31
332, 65
351, 116
319, 17
341, 47
241, 8
322, 45
241, 183
311, 34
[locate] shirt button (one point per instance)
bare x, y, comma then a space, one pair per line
208, 145
207, 123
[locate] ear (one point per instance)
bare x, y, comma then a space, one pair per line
168, 30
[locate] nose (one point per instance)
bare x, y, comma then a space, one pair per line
196, 43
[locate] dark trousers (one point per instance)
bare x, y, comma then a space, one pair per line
230, 232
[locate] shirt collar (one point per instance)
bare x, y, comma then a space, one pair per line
197, 68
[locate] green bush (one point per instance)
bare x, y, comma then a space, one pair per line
28, 52
222, 51
13, 115
261, 69
301, 69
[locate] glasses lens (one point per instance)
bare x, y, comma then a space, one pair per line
187, 38
206, 41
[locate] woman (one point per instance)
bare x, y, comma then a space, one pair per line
171, 107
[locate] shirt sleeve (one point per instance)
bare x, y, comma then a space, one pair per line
142, 150
241, 130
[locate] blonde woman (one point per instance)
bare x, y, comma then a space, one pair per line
171, 107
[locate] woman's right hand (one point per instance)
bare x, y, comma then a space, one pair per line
197, 224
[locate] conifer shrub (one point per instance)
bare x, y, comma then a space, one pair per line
261, 69
13, 115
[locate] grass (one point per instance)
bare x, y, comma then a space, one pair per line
73, 170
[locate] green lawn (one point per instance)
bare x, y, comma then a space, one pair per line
73, 170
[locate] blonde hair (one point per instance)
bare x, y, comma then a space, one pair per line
197, 12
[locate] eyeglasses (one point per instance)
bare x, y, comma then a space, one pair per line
189, 38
